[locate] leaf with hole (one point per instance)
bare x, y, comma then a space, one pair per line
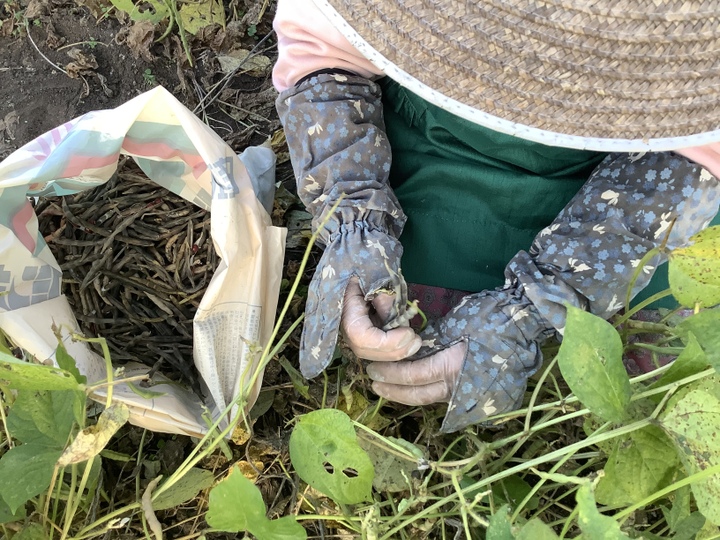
693, 424
590, 360
154, 11
593, 524
325, 453
185, 489
639, 465
194, 16
236, 505
21, 375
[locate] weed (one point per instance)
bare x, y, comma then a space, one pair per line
592, 452
149, 78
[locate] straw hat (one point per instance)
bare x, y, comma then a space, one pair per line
607, 75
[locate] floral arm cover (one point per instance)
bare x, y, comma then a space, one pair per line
336, 136
585, 258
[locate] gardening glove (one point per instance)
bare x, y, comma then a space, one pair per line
336, 136
489, 344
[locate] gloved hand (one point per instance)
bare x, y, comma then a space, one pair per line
586, 258
491, 338
335, 133
362, 326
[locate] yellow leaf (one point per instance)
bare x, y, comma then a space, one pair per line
251, 471
90, 441
257, 65
240, 435
197, 15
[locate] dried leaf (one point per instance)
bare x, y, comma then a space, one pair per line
140, 38
90, 441
240, 59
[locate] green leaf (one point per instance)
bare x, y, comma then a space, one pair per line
708, 532
536, 530
21, 375
153, 10
691, 361
7, 516
499, 527
513, 490
688, 291
640, 464
694, 270
298, 381
185, 489
693, 423
705, 326
67, 362
45, 418
26, 471
593, 524
688, 528
32, 531
4, 346
236, 505
590, 360
392, 473
680, 508
325, 453
284, 528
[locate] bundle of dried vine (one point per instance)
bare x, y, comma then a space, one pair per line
136, 260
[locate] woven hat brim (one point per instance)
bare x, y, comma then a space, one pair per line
660, 91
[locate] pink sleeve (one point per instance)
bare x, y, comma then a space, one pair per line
307, 42
708, 156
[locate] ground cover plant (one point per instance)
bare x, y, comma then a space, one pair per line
593, 452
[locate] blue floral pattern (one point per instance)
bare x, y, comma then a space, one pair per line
336, 137
586, 257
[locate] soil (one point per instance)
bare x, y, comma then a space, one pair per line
59, 60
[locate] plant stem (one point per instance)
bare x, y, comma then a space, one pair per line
76, 504
630, 312
108, 363
536, 392
85, 532
104, 384
522, 467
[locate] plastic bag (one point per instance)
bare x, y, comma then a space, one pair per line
179, 152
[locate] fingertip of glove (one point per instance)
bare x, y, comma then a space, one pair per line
374, 374
414, 345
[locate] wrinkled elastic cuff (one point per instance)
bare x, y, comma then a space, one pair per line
349, 220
